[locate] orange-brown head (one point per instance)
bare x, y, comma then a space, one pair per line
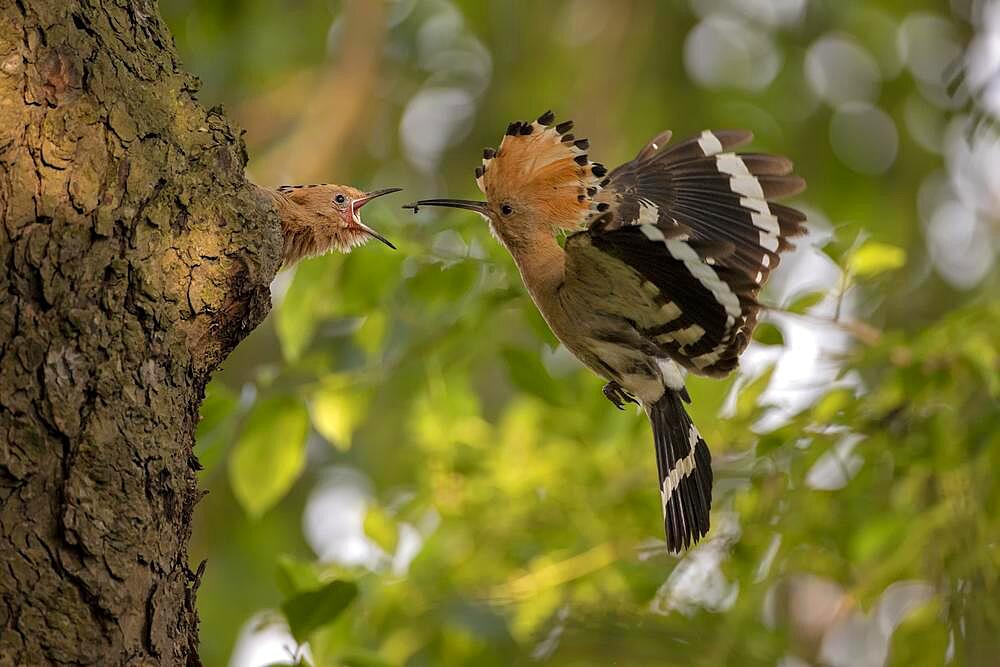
540, 180
317, 219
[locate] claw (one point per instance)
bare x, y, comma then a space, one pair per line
618, 396
612, 395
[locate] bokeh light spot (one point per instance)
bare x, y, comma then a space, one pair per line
840, 71
864, 138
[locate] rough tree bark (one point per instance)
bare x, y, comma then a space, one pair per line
136, 256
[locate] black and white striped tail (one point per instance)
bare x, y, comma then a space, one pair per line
685, 469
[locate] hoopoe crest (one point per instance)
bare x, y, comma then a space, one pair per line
543, 171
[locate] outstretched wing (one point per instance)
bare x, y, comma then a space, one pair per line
695, 225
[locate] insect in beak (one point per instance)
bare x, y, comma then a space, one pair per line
479, 207
356, 216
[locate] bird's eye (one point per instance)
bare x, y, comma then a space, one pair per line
505, 209
340, 199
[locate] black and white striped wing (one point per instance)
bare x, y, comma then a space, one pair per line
699, 223
660, 282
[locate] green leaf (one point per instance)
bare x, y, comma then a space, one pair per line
529, 374
982, 353
768, 334
921, 639
877, 536
269, 454
436, 287
873, 258
371, 334
538, 324
306, 303
748, 397
802, 303
336, 410
363, 658
837, 249
708, 396
307, 612
217, 426
381, 529
831, 405
366, 281
294, 575
333, 286
768, 443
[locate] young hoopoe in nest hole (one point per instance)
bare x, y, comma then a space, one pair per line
658, 277
317, 219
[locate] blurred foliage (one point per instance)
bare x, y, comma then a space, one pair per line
403, 467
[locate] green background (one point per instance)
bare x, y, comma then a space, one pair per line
404, 469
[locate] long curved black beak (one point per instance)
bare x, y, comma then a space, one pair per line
479, 207
361, 201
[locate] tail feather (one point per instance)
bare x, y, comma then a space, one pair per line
685, 471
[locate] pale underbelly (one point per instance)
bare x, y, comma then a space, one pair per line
602, 344
643, 376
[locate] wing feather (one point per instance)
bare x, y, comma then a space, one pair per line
722, 235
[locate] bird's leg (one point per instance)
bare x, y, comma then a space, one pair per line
614, 393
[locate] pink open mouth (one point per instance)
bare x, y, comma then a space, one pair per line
356, 215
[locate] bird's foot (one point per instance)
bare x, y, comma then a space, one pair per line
614, 393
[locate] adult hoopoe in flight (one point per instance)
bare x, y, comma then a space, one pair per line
658, 277
317, 219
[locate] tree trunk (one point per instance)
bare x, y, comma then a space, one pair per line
136, 257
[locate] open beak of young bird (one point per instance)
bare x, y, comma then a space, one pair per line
479, 207
356, 213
